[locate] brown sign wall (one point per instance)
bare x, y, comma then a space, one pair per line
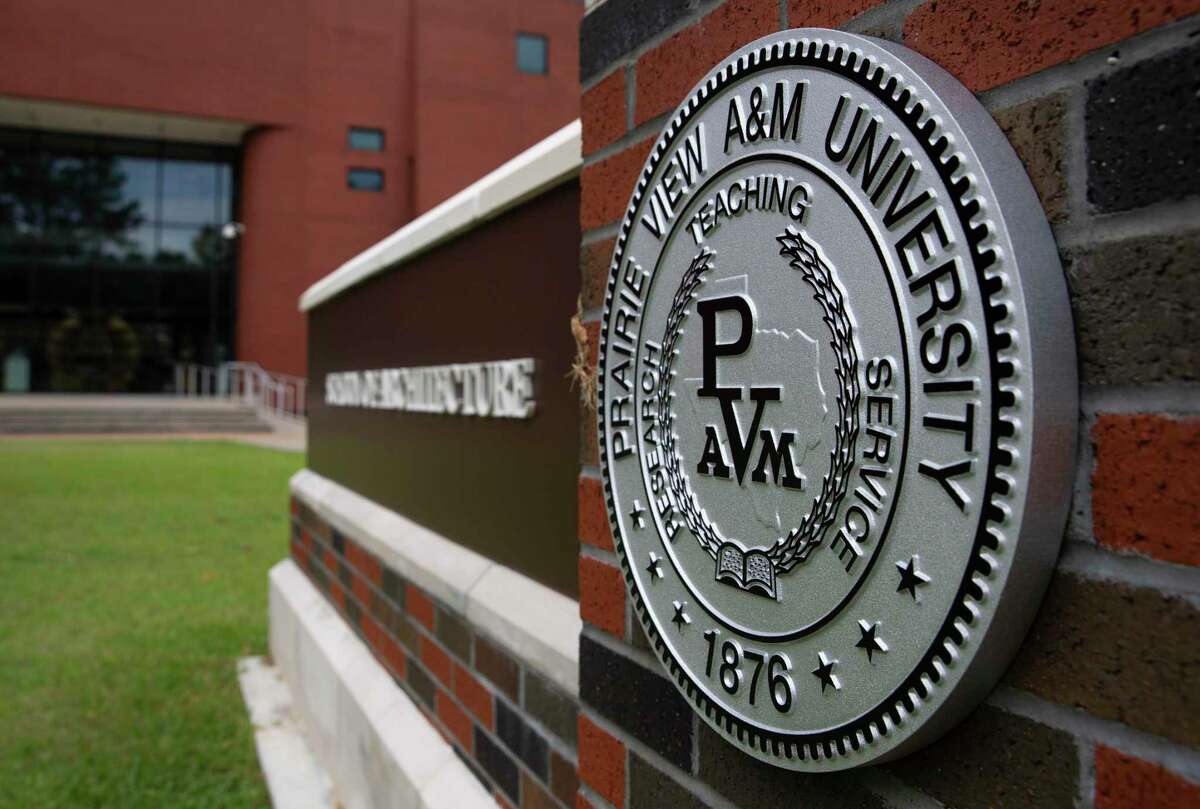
503, 487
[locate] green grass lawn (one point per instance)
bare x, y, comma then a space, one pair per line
132, 577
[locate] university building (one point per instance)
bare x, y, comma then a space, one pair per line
813, 423
171, 180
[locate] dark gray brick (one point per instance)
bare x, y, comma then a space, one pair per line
618, 27
1136, 312
455, 634
420, 682
551, 707
642, 702
498, 765
316, 572
1143, 132
1122, 653
339, 543
393, 587
353, 613
651, 789
1035, 130
994, 760
529, 745
497, 666
746, 781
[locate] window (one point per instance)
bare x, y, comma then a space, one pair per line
532, 52
364, 179
365, 139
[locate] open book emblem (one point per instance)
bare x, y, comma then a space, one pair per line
751, 570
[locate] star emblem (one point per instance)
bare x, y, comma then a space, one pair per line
910, 577
869, 641
824, 673
680, 620
636, 515
653, 568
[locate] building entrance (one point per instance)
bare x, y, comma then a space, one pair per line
113, 265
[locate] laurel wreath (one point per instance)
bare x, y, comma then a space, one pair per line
790, 550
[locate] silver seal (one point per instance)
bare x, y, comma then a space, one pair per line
837, 400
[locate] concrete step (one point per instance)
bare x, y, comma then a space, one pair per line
69, 428
87, 415
128, 416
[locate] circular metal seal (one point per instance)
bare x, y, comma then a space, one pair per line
837, 400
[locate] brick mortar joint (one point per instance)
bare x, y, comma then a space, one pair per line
625, 649
1082, 726
640, 49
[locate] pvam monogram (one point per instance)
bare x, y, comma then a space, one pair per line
818, 400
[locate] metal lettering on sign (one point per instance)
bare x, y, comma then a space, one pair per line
500, 389
837, 400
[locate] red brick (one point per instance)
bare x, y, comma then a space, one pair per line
602, 112
500, 801
606, 186
437, 661
1125, 782
293, 506
594, 259
456, 720
1146, 486
419, 606
602, 596
534, 795
394, 656
361, 590
666, 73
372, 632
564, 778
986, 45
364, 562
589, 435
593, 333
825, 13
331, 562
583, 803
476, 698
337, 596
593, 515
601, 762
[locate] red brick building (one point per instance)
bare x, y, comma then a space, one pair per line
132, 133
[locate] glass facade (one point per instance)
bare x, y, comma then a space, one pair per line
112, 262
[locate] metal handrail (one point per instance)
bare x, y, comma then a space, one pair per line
280, 395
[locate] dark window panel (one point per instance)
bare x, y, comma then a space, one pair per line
364, 179
365, 139
533, 53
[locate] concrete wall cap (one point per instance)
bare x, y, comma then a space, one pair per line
538, 625
544, 165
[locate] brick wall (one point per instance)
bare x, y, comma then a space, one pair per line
1101, 100
515, 731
